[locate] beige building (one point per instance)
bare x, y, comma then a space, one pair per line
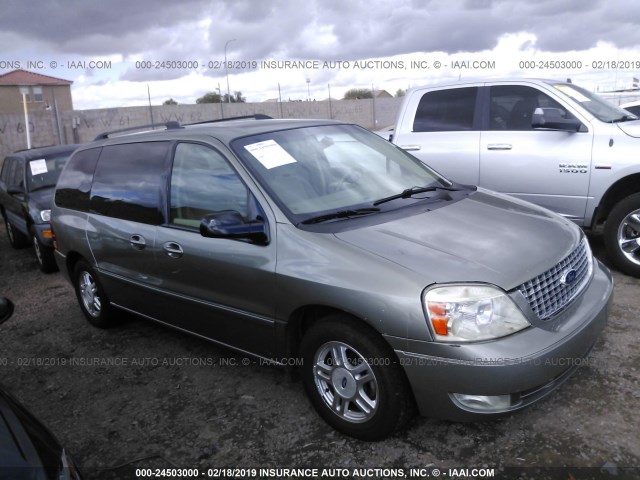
42, 91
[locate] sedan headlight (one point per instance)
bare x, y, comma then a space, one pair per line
468, 313
45, 215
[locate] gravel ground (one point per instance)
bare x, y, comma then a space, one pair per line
177, 401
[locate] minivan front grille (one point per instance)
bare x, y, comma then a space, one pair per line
550, 292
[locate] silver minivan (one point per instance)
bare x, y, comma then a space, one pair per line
395, 289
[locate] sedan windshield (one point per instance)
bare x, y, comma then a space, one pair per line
316, 171
598, 107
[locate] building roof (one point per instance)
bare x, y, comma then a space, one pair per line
24, 77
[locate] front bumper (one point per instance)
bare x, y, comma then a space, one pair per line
526, 366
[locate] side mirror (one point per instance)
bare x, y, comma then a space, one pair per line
6, 309
230, 224
552, 118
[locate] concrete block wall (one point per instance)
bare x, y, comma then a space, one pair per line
81, 126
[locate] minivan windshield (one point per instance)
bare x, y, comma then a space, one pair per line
340, 170
599, 107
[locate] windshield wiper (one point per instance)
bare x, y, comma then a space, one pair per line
340, 214
412, 191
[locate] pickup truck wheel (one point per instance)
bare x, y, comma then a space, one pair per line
16, 238
44, 256
93, 301
353, 379
622, 235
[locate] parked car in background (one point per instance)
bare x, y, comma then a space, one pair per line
27, 181
28, 450
548, 142
321, 241
633, 107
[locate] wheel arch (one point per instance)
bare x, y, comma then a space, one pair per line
618, 191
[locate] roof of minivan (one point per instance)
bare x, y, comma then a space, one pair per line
224, 131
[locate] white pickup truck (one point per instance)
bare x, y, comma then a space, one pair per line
551, 143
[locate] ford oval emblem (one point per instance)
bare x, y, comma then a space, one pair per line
568, 277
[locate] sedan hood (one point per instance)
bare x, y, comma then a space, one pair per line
486, 237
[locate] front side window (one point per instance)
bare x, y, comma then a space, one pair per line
128, 182
512, 106
16, 177
446, 110
203, 182
326, 169
7, 170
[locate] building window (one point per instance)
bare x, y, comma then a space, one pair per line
37, 94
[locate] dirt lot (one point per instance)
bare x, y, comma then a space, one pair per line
175, 400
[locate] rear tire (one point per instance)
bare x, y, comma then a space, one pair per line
353, 379
93, 301
622, 235
17, 239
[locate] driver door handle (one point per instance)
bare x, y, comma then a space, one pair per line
499, 146
138, 242
173, 249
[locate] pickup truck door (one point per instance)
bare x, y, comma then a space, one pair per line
444, 132
548, 167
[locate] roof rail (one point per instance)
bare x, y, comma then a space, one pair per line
257, 116
169, 126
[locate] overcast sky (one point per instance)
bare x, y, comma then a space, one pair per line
62, 37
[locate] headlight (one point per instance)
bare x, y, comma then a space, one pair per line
45, 215
468, 313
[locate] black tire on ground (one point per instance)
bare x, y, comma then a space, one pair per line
354, 380
44, 256
93, 301
17, 239
622, 235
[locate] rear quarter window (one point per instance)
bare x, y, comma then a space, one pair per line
74, 184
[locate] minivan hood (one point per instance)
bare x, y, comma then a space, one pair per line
631, 128
486, 237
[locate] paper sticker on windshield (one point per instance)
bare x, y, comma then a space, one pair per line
38, 167
270, 154
576, 95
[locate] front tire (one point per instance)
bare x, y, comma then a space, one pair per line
353, 380
93, 301
622, 235
44, 256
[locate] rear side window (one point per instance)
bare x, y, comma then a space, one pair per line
446, 110
129, 182
74, 184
